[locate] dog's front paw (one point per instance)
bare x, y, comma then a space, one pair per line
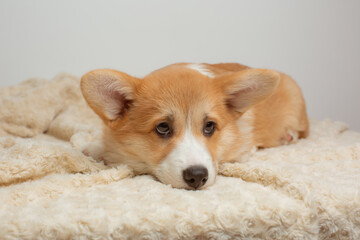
86, 152
95, 150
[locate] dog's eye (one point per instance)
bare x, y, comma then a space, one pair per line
209, 128
163, 129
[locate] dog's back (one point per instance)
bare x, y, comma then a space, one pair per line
279, 119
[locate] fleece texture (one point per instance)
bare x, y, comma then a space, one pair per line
50, 190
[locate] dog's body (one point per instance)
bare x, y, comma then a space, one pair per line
179, 122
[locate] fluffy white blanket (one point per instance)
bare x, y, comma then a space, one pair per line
49, 189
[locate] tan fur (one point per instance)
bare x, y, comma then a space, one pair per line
263, 115
283, 111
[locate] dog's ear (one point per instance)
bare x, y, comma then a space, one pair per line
248, 87
108, 92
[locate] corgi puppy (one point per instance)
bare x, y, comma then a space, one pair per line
179, 122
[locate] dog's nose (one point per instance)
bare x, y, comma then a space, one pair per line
195, 176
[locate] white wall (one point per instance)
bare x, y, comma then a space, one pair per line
317, 42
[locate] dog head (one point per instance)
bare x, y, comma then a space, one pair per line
176, 123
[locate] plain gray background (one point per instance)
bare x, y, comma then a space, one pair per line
316, 42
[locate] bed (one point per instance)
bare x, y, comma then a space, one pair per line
50, 190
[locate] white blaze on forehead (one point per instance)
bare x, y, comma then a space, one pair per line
201, 69
189, 151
